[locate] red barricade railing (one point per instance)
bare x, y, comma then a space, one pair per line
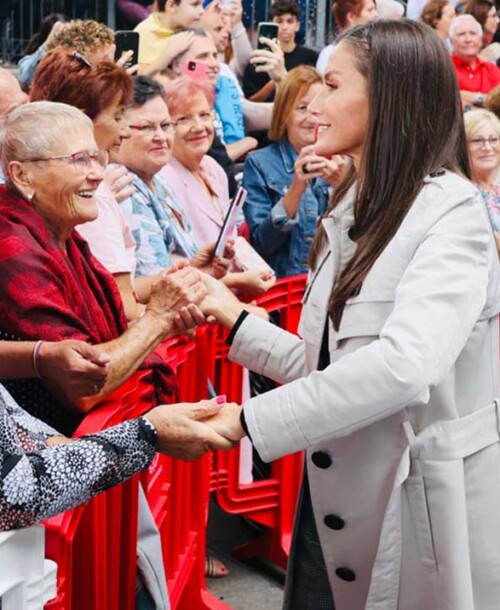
179, 501
270, 502
95, 545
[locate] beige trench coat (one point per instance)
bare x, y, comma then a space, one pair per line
402, 431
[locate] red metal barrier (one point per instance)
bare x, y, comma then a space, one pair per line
95, 545
270, 502
178, 492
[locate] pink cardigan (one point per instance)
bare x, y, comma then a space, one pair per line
203, 216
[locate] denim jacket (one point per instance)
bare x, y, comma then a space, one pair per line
283, 242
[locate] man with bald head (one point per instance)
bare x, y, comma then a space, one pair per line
11, 95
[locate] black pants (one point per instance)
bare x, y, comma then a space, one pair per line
307, 586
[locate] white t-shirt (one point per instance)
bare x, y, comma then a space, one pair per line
109, 235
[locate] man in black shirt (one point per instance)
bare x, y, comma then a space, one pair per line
257, 86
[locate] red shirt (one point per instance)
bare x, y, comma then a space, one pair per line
480, 79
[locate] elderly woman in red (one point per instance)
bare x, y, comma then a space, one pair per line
51, 287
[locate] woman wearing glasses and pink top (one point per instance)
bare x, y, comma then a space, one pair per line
199, 183
482, 129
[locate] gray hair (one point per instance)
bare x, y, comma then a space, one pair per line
30, 131
461, 19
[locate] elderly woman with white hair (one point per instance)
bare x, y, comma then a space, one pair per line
476, 77
482, 129
51, 287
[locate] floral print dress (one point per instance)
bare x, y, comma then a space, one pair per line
38, 481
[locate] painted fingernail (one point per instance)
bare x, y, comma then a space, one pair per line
220, 400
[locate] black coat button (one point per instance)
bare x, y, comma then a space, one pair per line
345, 574
334, 522
321, 459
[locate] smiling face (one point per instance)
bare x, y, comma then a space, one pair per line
64, 192
194, 132
467, 40
301, 125
484, 151
150, 145
341, 107
110, 127
203, 50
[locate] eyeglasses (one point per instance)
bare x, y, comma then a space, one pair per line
189, 121
81, 161
477, 143
149, 129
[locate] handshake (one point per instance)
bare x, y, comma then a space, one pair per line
188, 430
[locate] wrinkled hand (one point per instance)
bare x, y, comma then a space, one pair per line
73, 369
226, 422
181, 433
119, 182
175, 296
272, 61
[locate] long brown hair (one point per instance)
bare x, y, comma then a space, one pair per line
415, 127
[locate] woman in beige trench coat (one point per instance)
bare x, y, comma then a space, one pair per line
401, 426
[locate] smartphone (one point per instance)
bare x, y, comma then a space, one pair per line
230, 221
126, 40
196, 70
267, 30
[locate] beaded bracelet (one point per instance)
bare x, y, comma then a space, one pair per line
36, 364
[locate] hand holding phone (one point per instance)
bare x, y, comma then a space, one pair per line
127, 41
229, 224
266, 30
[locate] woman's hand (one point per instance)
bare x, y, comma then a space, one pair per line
119, 182
126, 55
73, 369
335, 170
174, 299
227, 423
206, 261
255, 281
181, 433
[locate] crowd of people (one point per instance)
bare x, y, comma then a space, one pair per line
373, 165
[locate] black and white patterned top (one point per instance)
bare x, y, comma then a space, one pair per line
37, 481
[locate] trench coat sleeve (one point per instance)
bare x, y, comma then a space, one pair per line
437, 302
269, 350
